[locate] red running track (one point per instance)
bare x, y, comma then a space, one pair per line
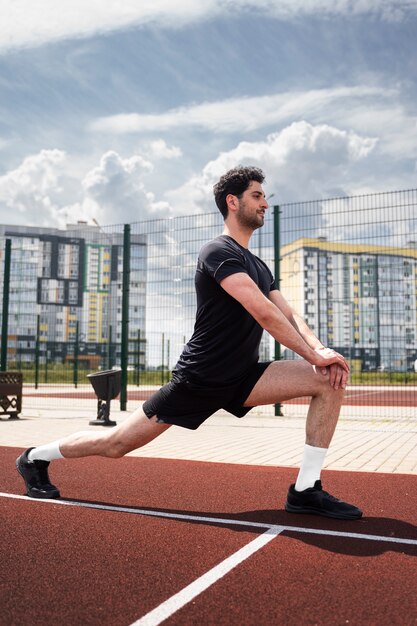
385, 396
225, 546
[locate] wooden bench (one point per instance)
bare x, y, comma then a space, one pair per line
11, 384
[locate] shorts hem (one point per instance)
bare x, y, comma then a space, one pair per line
236, 407
195, 404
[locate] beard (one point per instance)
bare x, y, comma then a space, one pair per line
249, 219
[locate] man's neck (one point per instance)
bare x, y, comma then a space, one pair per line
241, 236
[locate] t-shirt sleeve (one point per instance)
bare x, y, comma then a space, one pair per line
273, 283
220, 262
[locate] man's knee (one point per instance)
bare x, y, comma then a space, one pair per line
325, 388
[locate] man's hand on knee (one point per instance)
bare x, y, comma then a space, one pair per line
338, 377
334, 365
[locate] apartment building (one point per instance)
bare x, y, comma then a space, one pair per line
66, 293
359, 299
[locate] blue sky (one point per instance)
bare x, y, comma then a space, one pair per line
132, 110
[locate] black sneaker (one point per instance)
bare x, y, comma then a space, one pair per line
318, 502
35, 475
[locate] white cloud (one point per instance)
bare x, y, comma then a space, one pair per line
300, 162
366, 110
33, 192
44, 191
116, 186
242, 114
349, 219
389, 120
287, 9
160, 150
28, 23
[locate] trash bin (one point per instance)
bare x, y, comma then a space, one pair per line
11, 384
107, 386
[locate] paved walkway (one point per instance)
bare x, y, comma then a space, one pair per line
362, 442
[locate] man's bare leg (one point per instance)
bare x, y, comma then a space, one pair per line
136, 431
284, 380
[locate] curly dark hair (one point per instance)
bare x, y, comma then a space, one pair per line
235, 181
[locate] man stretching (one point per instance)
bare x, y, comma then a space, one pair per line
236, 300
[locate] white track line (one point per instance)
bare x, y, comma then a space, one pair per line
183, 597
170, 606
125, 509
211, 520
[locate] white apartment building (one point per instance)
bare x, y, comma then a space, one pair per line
359, 299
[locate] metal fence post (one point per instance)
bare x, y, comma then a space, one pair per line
109, 347
5, 313
168, 357
76, 350
163, 360
46, 364
37, 348
125, 316
277, 272
138, 359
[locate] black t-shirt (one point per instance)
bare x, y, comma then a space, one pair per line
226, 338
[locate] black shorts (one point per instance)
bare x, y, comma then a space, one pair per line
187, 404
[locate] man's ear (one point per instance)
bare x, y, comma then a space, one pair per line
232, 202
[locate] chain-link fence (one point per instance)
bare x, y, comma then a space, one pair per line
93, 298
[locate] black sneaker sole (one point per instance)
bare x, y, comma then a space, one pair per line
52, 495
290, 508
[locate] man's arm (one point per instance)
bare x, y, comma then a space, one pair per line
305, 331
276, 317
292, 316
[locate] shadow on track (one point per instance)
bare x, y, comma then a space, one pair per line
299, 527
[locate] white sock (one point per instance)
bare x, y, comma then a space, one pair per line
313, 459
48, 452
